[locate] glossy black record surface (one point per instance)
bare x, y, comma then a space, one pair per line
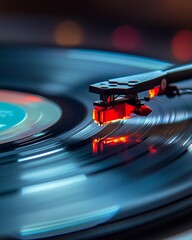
76, 176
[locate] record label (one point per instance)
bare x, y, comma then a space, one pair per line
23, 114
10, 115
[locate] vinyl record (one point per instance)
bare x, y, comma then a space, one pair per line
62, 174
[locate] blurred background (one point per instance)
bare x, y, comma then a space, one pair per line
155, 28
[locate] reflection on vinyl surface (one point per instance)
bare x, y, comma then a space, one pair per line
73, 175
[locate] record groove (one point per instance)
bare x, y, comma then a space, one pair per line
74, 176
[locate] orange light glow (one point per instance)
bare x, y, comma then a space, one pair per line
98, 144
126, 38
112, 140
118, 112
154, 92
69, 33
22, 98
111, 114
182, 45
152, 149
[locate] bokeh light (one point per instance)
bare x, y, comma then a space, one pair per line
152, 149
126, 38
182, 45
69, 33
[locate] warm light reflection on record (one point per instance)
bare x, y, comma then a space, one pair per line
152, 149
98, 144
21, 98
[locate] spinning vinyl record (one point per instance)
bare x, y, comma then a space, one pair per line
62, 174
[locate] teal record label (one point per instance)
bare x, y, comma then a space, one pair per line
24, 114
10, 115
